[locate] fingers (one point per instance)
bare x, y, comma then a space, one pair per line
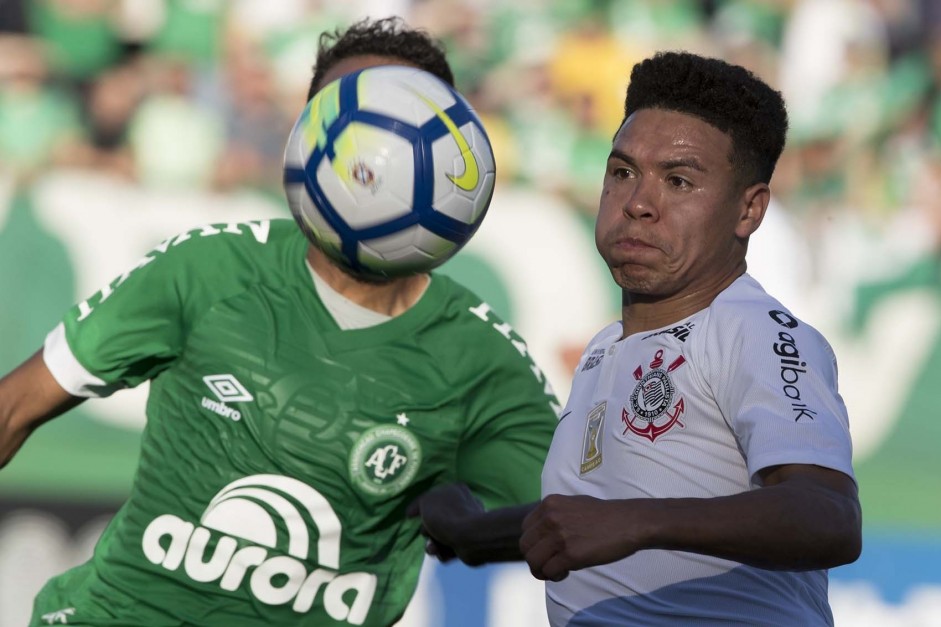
548, 561
439, 551
546, 542
541, 547
553, 570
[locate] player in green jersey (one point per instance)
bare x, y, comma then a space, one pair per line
294, 413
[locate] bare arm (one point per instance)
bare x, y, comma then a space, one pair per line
29, 396
804, 518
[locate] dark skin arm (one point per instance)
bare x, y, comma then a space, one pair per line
456, 525
29, 397
804, 518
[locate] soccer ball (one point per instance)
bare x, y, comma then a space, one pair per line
388, 170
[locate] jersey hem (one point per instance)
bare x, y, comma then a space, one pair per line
833, 462
67, 371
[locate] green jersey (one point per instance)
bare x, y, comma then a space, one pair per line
281, 452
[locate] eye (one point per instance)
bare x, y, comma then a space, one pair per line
678, 182
620, 172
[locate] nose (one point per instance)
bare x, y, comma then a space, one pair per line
641, 202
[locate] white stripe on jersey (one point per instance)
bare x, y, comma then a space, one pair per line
68, 372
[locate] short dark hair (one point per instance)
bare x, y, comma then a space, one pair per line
726, 96
388, 37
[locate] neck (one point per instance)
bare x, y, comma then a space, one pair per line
643, 312
391, 298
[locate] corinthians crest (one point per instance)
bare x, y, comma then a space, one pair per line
653, 411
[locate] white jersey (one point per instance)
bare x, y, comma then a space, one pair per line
696, 410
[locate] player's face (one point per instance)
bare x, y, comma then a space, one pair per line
673, 220
342, 68
359, 62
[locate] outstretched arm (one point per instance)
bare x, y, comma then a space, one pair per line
457, 525
29, 396
804, 518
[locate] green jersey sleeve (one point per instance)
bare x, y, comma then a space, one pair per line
514, 414
136, 325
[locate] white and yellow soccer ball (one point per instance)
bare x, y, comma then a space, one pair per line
389, 171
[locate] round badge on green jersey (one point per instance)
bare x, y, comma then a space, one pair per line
384, 460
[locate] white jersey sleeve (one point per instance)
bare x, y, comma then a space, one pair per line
774, 378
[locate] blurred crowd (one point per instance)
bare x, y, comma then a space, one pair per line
202, 93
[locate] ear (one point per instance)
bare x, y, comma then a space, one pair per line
755, 201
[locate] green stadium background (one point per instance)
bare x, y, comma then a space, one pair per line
125, 121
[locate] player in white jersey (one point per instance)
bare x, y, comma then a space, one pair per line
701, 472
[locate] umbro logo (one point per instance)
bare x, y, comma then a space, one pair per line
227, 389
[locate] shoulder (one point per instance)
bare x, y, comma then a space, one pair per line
744, 318
483, 355
470, 318
198, 267
228, 251
233, 238
472, 329
596, 347
745, 303
606, 336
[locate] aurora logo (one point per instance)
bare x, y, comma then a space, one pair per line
273, 514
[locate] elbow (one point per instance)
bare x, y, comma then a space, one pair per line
7, 446
5, 435
854, 551
846, 540
11, 435
850, 548
843, 549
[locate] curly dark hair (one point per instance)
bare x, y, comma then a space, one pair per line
726, 96
388, 37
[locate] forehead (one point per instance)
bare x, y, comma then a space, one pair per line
359, 62
657, 133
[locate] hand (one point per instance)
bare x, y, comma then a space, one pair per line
444, 511
566, 533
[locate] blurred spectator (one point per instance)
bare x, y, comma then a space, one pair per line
818, 40
761, 20
37, 121
590, 43
175, 141
13, 17
190, 30
748, 33
112, 100
659, 23
79, 34
461, 26
256, 126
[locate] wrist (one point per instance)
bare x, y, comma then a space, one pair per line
491, 536
644, 523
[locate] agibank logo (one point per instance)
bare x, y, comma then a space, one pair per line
260, 525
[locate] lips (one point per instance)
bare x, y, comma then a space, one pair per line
633, 243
